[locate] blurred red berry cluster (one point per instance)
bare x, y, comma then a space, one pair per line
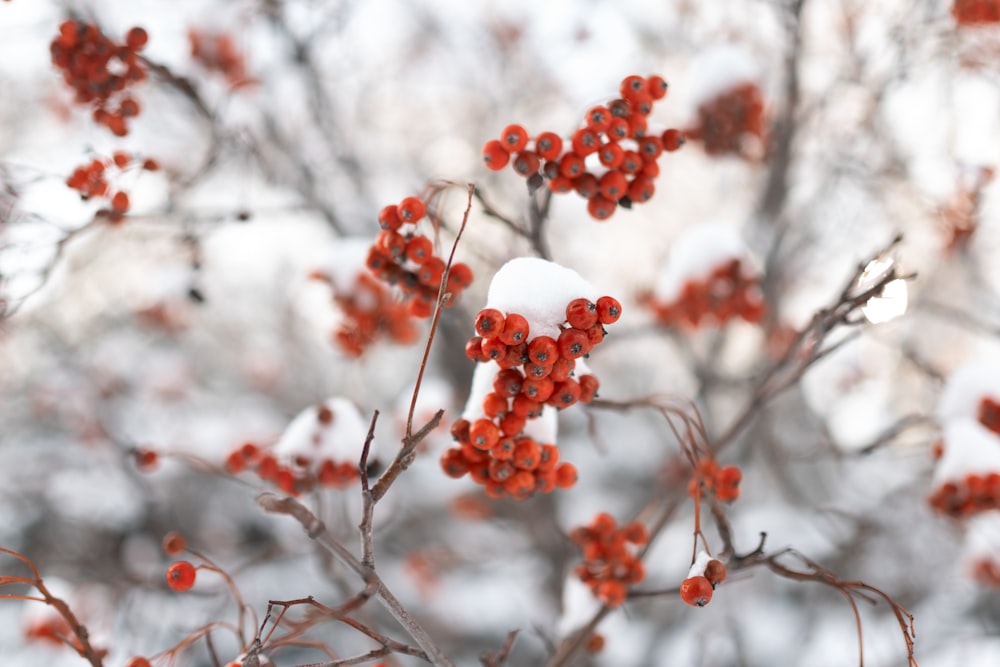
406, 259
610, 161
732, 123
91, 180
610, 564
709, 478
976, 12
218, 53
101, 71
728, 292
295, 477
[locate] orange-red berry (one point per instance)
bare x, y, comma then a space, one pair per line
181, 575
696, 591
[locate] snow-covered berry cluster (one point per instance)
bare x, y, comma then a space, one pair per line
404, 258
967, 474
707, 278
610, 161
610, 564
711, 479
369, 309
732, 122
320, 447
705, 574
530, 362
101, 71
91, 181
975, 12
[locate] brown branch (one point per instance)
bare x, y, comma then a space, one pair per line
318, 532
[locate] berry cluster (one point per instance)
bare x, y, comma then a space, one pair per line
989, 414
101, 71
732, 123
728, 292
91, 181
609, 564
219, 53
610, 161
705, 574
406, 259
298, 476
976, 12
532, 373
968, 495
711, 479
370, 312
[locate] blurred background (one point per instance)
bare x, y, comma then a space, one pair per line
817, 131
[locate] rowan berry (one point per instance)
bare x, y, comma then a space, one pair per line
495, 405
515, 329
514, 138
571, 165
526, 163
527, 453
511, 424
460, 430
589, 384
573, 343
609, 310
613, 186
585, 141
121, 159
560, 184
586, 185
495, 156
549, 145
489, 322
526, 407
715, 572
650, 148
419, 249
641, 189
672, 139
181, 575
537, 389
596, 334
618, 129
493, 348
581, 313
566, 475
412, 209
657, 86
173, 543
562, 368
565, 393
508, 382
631, 162
632, 85
119, 202
460, 274
600, 207
543, 351
610, 155
696, 591
500, 470
483, 434
598, 118
138, 661
611, 593
431, 272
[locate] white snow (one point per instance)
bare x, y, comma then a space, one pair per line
966, 386
345, 262
539, 290
721, 68
695, 254
339, 440
969, 448
701, 562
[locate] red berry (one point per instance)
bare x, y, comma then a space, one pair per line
181, 575
119, 202
136, 38
573, 343
641, 189
453, 463
560, 184
495, 156
543, 350
611, 155
138, 661
618, 129
586, 185
419, 249
548, 145
613, 186
588, 387
672, 140
173, 543
632, 85
526, 163
431, 271
581, 313
715, 572
566, 475
514, 138
537, 389
515, 329
489, 322
600, 207
565, 394
483, 434
598, 118
657, 87
388, 218
508, 382
412, 209
650, 148
571, 165
608, 310
585, 141
696, 591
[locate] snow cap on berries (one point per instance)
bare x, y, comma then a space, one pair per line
695, 254
539, 290
334, 429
